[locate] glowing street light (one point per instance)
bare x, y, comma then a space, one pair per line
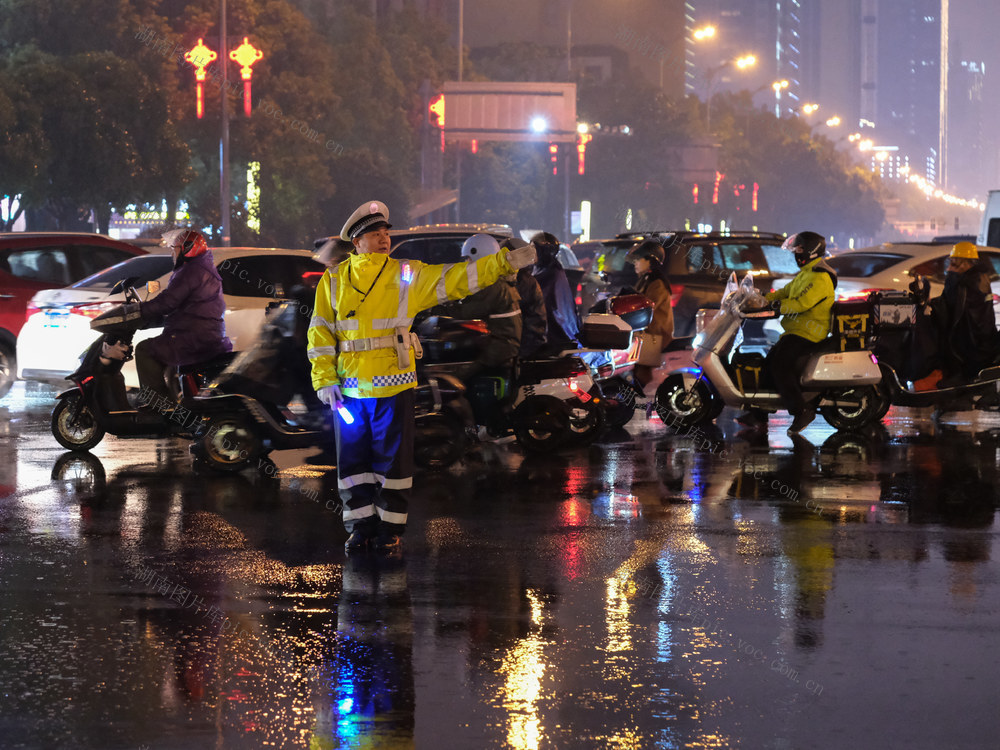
808, 109
833, 121
539, 124
747, 61
705, 32
778, 86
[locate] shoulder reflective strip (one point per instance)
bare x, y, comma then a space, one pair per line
316, 320
403, 309
357, 514
319, 351
333, 289
391, 517
356, 479
346, 325
397, 484
510, 314
472, 274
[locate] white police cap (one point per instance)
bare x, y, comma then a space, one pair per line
370, 215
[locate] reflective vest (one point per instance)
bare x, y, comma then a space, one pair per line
807, 301
359, 335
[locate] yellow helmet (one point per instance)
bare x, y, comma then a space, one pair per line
965, 250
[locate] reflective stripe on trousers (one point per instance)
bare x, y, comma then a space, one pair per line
375, 459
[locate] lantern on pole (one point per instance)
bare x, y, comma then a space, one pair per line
246, 55
200, 56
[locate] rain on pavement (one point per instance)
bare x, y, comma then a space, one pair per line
647, 591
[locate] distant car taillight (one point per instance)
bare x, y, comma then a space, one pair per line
92, 309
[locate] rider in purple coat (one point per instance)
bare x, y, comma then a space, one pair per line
192, 310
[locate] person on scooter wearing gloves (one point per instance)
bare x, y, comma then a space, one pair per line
805, 305
362, 353
192, 309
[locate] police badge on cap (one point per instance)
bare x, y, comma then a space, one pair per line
369, 216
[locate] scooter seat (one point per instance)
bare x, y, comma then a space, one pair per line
216, 363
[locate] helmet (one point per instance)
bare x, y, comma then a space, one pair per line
547, 245
479, 246
651, 250
189, 242
965, 250
807, 246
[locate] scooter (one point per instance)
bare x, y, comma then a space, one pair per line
846, 383
543, 403
611, 349
98, 404
898, 321
247, 415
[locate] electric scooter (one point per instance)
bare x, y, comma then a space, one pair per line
98, 404
904, 329
247, 416
845, 383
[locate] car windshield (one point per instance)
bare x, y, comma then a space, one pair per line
864, 264
142, 268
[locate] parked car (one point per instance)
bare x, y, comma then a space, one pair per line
698, 266
32, 261
57, 331
894, 266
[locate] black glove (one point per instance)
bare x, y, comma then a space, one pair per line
776, 305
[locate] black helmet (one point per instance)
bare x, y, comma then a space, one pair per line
651, 250
547, 246
807, 246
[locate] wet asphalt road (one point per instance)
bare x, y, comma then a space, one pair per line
647, 591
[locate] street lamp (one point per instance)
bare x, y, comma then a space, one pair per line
778, 86
705, 32
742, 63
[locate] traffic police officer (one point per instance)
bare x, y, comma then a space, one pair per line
362, 354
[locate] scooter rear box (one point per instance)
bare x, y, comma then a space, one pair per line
852, 324
605, 331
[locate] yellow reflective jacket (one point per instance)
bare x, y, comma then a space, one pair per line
807, 300
342, 322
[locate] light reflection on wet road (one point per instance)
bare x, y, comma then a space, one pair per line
647, 591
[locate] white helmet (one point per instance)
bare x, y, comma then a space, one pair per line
479, 246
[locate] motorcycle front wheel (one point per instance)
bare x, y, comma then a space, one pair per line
680, 408
853, 408
619, 402
541, 424
230, 444
586, 421
74, 424
440, 440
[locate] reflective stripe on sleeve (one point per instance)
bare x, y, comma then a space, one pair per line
356, 479
441, 289
319, 351
366, 511
346, 325
472, 275
390, 516
510, 314
317, 320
